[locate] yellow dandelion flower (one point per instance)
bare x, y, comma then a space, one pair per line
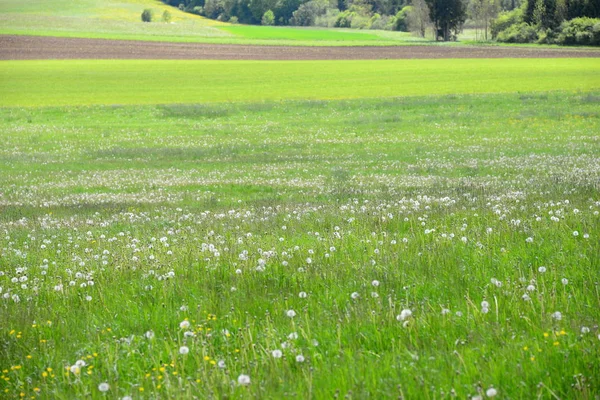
556, 343
546, 334
525, 348
44, 374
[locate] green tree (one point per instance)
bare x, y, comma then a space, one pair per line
307, 13
448, 17
166, 16
483, 12
418, 17
147, 15
268, 18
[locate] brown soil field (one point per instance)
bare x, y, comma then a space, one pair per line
14, 47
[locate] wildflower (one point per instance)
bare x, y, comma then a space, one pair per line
491, 392
529, 240
290, 313
184, 324
244, 379
445, 311
221, 364
103, 387
404, 314
375, 283
302, 295
277, 353
293, 336
300, 358
564, 281
542, 269
355, 295
575, 233
585, 329
530, 288
184, 350
557, 315
149, 335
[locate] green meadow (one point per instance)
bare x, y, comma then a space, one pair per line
43, 83
413, 247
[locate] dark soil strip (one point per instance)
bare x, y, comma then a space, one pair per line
36, 47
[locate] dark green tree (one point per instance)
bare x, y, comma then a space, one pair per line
448, 17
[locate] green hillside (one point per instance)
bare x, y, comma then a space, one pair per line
120, 19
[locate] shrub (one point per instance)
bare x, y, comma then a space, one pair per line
329, 19
166, 16
233, 20
307, 13
147, 15
268, 18
402, 19
519, 33
580, 31
505, 20
344, 20
383, 23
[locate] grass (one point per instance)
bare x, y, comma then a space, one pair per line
42, 83
133, 233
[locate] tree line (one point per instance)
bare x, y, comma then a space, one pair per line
504, 20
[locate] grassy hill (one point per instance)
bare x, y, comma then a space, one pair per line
120, 19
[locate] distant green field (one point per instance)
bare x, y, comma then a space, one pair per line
120, 19
289, 33
42, 83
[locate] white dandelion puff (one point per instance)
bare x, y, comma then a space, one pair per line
243, 379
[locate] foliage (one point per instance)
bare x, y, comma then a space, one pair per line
519, 33
418, 17
148, 15
545, 21
482, 13
448, 17
268, 18
505, 20
402, 19
308, 12
167, 16
580, 31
